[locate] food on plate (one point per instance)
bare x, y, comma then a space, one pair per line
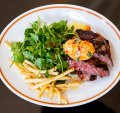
49, 54
79, 25
78, 49
98, 64
89, 69
102, 48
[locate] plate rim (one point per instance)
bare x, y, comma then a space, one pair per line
39, 102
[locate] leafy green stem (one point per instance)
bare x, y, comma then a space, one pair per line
59, 57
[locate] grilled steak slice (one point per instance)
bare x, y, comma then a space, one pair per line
92, 66
101, 45
85, 77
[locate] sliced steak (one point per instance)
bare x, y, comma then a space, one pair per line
101, 45
85, 77
92, 66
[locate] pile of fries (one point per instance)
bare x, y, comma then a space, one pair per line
37, 80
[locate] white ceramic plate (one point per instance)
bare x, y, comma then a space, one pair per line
87, 92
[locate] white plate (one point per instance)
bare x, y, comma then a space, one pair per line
87, 92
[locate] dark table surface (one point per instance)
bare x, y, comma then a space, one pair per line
10, 103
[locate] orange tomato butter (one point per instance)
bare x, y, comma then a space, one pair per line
78, 49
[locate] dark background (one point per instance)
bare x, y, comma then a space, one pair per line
10, 103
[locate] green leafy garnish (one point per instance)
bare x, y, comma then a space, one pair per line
34, 37
89, 54
18, 57
65, 64
43, 45
61, 63
40, 63
16, 46
77, 59
28, 55
60, 82
30, 48
47, 75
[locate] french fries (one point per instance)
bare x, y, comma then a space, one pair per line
64, 100
69, 85
42, 90
30, 64
8, 44
51, 90
53, 79
58, 93
41, 84
36, 71
36, 80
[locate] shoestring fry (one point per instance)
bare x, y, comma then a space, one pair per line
38, 82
